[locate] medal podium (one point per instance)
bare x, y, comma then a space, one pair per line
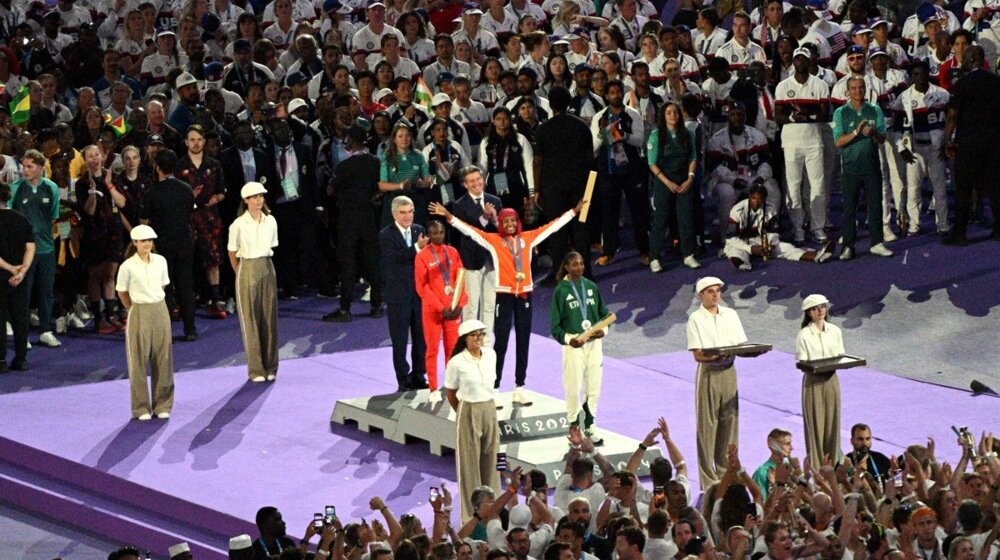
534, 436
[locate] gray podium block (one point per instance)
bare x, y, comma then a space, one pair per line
533, 437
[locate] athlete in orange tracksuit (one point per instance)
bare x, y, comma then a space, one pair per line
435, 271
511, 251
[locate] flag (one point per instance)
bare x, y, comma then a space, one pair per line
120, 125
423, 94
20, 107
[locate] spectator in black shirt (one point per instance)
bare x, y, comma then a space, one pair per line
17, 250
167, 208
563, 159
354, 187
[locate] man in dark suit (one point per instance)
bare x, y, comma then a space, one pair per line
564, 157
166, 207
354, 186
480, 276
296, 202
243, 163
399, 243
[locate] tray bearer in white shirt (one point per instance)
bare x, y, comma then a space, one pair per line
148, 343
252, 239
716, 397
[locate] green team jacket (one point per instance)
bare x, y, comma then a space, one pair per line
566, 316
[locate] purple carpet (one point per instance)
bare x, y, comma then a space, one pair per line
229, 439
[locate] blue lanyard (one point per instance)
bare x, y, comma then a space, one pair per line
263, 545
579, 298
445, 268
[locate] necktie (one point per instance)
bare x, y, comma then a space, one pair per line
406, 237
283, 162
479, 203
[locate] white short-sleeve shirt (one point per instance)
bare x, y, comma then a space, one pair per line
143, 281
814, 344
810, 94
473, 378
705, 330
251, 239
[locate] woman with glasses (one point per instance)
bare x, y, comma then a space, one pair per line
820, 391
469, 381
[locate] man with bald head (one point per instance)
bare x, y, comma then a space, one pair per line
156, 117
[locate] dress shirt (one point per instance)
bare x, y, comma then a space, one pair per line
143, 281
252, 239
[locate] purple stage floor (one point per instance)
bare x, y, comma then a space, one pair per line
229, 439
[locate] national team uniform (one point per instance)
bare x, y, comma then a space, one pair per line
436, 273
803, 148
749, 226
739, 56
746, 157
919, 121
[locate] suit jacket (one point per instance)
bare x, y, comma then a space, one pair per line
167, 206
396, 263
474, 257
265, 173
308, 187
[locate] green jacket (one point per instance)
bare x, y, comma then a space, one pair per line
41, 207
566, 315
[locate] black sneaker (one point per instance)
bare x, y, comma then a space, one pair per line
338, 316
376, 313
19, 365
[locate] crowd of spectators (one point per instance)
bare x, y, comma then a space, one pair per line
861, 505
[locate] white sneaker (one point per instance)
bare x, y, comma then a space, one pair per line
434, 397
48, 339
163, 415
888, 235
231, 306
745, 267
82, 311
271, 377
258, 379
76, 322
368, 295
33, 319
61, 325
145, 417
880, 250
654, 266
691, 262
847, 254
497, 400
519, 397
10, 330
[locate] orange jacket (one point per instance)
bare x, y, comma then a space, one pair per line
429, 276
503, 259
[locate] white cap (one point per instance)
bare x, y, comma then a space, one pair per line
142, 232
812, 300
296, 104
440, 98
241, 542
178, 549
706, 282
519, 518
251, 189
184, 79
470, 326
382, 94
802, 51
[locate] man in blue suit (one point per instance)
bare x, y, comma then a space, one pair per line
400, 242
480, 276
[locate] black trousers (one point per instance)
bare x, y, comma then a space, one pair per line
406, 322
356, 238
13, 303
180, 291
572, 236
298, 233
975, 167
516, 310
637, 198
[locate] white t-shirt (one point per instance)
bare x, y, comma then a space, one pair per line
473, 378
813, 344
143, 281
251, 239
705, 330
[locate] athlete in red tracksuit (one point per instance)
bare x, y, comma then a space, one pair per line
435, 270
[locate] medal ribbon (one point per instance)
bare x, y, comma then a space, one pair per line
582, 300
445, 268
515, 251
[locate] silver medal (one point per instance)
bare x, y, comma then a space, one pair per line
586, 324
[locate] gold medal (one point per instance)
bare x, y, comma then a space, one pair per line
519, 277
